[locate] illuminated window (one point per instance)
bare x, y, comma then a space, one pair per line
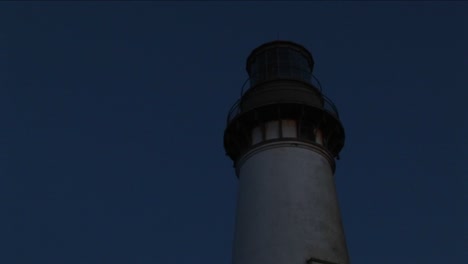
272, 130
319, 136
289, 128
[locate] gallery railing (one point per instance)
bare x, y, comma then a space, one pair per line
328, 105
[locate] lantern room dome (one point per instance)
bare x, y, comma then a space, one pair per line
279, 60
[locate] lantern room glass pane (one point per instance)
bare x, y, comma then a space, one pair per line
279, 63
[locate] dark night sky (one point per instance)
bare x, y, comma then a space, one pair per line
113, 117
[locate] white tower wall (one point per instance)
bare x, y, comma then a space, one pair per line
287, 210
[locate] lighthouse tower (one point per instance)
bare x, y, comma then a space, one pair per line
283, 136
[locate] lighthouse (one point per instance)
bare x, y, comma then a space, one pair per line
283, 136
